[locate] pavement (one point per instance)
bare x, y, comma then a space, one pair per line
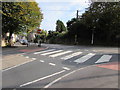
12, 56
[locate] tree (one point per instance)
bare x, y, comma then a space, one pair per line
60, 27
101, 19
20, 17
104, 19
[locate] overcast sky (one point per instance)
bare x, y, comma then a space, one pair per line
63, 10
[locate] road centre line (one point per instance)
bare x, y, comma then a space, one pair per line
44, 51
42, 78
42, 61
52, 52
66, 68
33, 58
56, 80
52, 64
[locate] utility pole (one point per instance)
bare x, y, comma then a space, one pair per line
77, 14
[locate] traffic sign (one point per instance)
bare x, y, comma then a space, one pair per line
39, 31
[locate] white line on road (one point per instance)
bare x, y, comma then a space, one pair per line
66, 68
52, 64
42, 61
71, 55
84, 58
52, 52
104, 58
33, 58
44, 51
59, 54
42, 78
56, 80
17, 65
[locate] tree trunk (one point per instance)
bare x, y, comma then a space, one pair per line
10, 42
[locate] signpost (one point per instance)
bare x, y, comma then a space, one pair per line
39, 39
39, 31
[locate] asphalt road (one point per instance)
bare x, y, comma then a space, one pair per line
63, 66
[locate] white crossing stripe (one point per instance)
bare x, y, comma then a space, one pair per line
44, 51
71, 55
104, 58
52, 52
59, 54
84, 58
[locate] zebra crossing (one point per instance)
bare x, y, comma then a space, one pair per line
71, 55
67, 55
104, 58
59, 54
84, 58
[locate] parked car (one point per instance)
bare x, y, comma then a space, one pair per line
23, 41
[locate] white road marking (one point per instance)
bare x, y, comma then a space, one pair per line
42, 61
56, 80
27, 57
33, 58
42, 78
17, 65
84, 58
52, 52
59, 54
66, 68
44, 51
71, 55
52, 64
104, 58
